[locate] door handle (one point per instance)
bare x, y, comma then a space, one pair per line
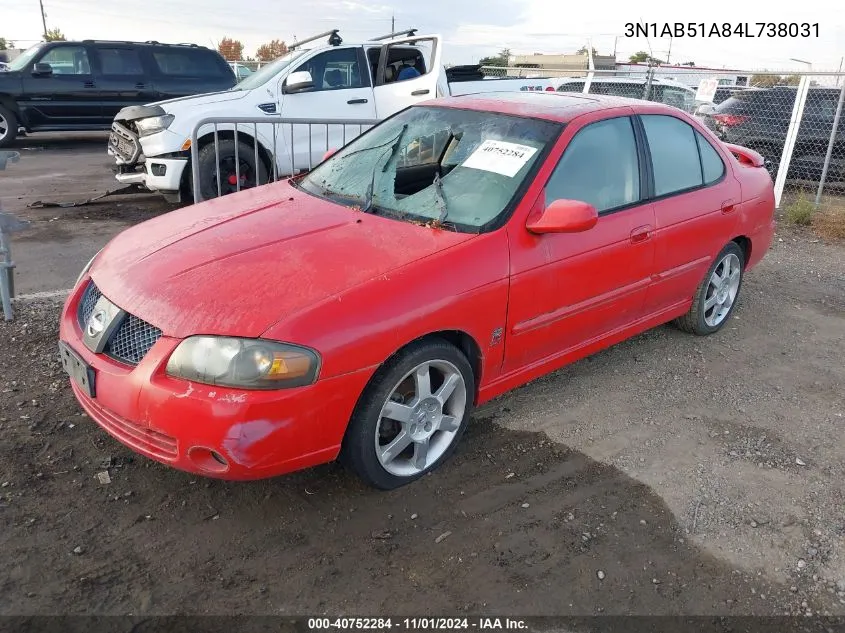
641, 234
356, 101
417, 93
140, 85
89, 84
728, 206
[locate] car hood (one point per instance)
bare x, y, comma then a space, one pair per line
239, 264
177, 105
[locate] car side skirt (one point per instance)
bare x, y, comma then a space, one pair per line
552, 363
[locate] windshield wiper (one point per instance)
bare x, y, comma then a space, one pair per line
368, 197
441, 198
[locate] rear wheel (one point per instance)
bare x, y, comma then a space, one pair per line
8, 127
228, 170
411, 416
716, 296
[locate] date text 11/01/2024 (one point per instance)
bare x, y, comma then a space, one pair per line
416, 624
724, 29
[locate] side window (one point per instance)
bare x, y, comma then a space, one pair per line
711, 162
120, 61
185, 62
337, 69
404, 61
574, 86
674, 154
677, 97
599, 166
67, 60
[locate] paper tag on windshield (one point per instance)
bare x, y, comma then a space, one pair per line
500, 157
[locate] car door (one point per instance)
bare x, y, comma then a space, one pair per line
122, 78
342, 91
697, 202
568, 290
66, 97
419, 59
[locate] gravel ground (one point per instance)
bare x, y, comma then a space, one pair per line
667, 475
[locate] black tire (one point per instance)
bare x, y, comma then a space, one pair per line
8, 127
358, 451
694, 320
246, 158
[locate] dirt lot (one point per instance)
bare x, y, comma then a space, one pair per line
699, 476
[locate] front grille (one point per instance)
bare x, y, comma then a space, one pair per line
132, 339
86, 305
124, 142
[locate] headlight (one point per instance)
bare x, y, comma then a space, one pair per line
87, 268
244, 363
153, 124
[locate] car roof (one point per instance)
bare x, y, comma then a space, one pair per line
552, 106
656, 81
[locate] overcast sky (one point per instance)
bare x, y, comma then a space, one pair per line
471, 28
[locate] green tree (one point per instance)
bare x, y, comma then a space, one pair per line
501, 60
6, 44
764, 81
583, 51
791, 80
641, 57
231, 50
54, 35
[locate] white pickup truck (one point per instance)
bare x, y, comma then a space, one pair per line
344, 82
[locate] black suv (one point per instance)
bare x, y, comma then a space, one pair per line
759, 119
72, 86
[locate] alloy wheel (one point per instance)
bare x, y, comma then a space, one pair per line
420, 418
722, 288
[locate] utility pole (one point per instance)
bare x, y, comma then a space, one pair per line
669, 54
393, 23
43, 17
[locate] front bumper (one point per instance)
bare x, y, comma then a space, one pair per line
156, 162
156, 174
179, 423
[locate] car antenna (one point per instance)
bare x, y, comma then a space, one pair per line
333, 35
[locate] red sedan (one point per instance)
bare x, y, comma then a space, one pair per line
457, 250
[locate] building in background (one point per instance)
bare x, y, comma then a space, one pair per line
575, 64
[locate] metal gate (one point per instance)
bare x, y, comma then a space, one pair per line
284, 147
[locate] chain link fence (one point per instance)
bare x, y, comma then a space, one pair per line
794, 119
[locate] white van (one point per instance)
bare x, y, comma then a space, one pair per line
369, 81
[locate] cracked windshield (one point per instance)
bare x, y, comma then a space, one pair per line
436, 164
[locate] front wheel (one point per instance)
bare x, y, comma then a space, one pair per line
8, 127
225, 168
716, 296
411, 415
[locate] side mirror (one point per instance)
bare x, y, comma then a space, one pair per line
329, 153
298, 82
42, 70
564, 216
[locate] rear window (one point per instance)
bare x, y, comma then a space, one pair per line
191, 63
737, 102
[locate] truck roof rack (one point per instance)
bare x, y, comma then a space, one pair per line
333, 35
390, 36
152, 42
